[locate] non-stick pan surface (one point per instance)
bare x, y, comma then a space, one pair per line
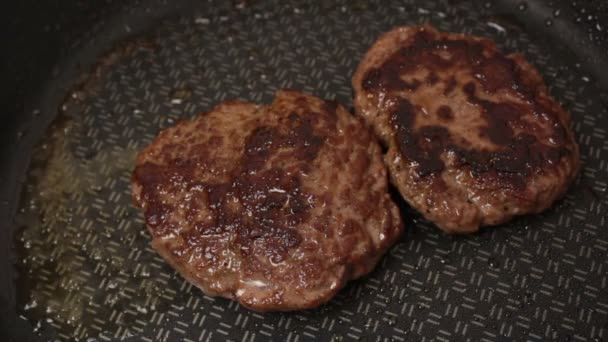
85, 270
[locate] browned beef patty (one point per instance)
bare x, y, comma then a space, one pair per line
473, 136
274, 206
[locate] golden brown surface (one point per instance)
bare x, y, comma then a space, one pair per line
274, 206
473, 136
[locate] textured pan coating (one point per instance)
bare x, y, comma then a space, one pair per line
274, 206
473, 136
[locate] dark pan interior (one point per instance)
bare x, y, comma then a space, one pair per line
89, 84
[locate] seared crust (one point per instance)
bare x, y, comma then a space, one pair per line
473, 136
274, 206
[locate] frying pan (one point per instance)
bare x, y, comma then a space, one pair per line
87, 84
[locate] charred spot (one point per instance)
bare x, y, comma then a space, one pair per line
423, 50
450, 85
517, 155
495, 73
553, 155
423, 146
499, 117
271, 202
433, 137
512, 164
148, 174
445, 113
302, 139
432, 140
511, 161
514, 156
432, 78
372, 80
388, 77
469, 90
403, 114
217, 194
478, 160
259, 204
260, 141
412, 85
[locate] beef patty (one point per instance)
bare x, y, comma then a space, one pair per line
274, 206
473, 136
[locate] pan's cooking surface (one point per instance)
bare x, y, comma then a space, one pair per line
88, 270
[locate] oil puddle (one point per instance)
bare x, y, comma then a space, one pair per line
85, 266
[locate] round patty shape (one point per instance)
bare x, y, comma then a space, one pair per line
274, 206
473, 136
